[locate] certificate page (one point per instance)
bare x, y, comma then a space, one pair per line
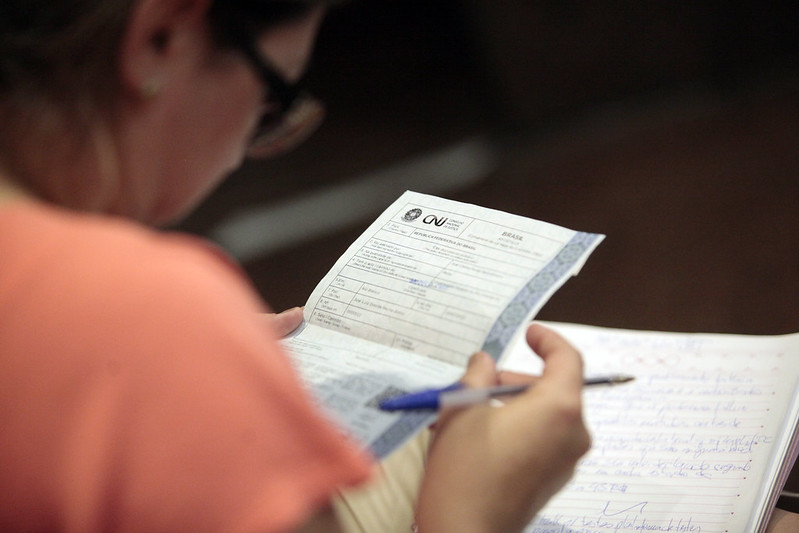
349, 376
445, 279
700, 442
429, 283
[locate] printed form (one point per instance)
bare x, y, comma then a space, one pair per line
429, 283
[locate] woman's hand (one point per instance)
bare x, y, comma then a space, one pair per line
491, 469
285, 322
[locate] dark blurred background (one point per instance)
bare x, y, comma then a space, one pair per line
672, 127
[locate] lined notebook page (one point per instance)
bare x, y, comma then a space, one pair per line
685, 447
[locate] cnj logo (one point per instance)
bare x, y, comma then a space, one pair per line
415, 213
432, 219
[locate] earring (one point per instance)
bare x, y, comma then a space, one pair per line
150, 88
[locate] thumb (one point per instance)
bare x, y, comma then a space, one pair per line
481, 371
286, 321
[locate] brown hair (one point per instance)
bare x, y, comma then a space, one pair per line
58, 75
62, 47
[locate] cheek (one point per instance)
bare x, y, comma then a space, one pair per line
215, 144
230, 117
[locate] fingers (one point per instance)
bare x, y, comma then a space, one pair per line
481, 371
514, 378
285, 322
518, 456
563, 365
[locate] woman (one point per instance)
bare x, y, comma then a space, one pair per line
140, 387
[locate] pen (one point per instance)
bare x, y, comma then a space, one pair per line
457, 395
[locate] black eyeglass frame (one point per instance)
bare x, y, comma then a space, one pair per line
297, 114
275, 85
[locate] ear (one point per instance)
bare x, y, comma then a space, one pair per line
160, 35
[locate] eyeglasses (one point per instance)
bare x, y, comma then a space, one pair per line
293, 115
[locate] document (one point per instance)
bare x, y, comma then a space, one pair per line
429, 283
702, 440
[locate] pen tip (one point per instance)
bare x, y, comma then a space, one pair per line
623, 378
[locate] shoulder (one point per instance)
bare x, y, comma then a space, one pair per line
99, 290
110, 262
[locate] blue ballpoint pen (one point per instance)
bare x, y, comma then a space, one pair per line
458, 395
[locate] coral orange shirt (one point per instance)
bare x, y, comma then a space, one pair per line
141, 390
